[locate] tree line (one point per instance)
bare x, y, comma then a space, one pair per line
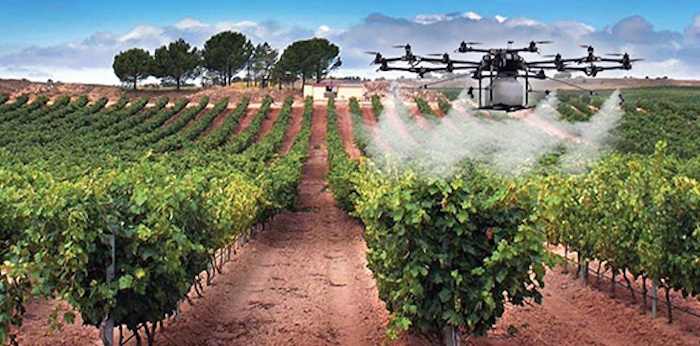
224, 56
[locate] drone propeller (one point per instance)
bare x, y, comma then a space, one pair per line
585, 46
472, 43
544, 42
399, 46
614, 54
372, 53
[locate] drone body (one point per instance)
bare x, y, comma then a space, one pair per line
499, 70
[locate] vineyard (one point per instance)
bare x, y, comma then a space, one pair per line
189, 223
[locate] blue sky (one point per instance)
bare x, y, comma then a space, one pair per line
43, 22
36, 36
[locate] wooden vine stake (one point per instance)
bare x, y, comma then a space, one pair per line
653, 299
451, 337
107, 326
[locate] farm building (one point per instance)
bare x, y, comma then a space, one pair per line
341, 90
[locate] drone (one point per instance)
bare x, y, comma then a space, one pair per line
500, 68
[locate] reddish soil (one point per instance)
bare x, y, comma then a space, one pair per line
178, 114
370, 121
293, 129
268, 122
420, 118
215, 93
245, 120
302, 281
346, 132
573, 313
36, 330
437, 110
218, 120
368, 116
392, 114
457, 105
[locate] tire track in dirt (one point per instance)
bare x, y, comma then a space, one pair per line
302, 281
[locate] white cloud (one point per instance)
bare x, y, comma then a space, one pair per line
500, 18
692, 32
472, 15
189, 23
427, 19
667, 53
327, 32
522, 21
65, 75
573, 29
140, 32
666, 50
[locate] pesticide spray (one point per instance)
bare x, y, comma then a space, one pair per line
512, 144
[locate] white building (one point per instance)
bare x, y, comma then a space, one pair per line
340, 90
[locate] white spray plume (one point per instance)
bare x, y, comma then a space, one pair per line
511, 145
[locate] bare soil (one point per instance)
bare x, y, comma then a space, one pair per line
420, 118
246, 119
268, 123
392, 114
302, 281
15, 88
573, 313
293, 129
218, 120
346, 131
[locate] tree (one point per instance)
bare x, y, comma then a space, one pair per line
132, 65
312, 58
176, 62
225, 55
262, 63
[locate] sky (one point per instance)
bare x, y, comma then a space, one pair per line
76, 40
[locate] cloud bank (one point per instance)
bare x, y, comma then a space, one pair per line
666, 53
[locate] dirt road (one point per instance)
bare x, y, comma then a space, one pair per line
302, 281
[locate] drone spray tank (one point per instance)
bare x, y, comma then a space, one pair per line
504, 92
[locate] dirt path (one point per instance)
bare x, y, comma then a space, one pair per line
575, 314
268, 122
216, 122
245, 120
293, 129
302, 281
419, 118
346, 131
395, 123
436, 108
370, 121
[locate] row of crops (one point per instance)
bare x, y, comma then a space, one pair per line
117, 209
449, 252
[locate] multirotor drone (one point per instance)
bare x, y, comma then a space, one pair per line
501, 67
